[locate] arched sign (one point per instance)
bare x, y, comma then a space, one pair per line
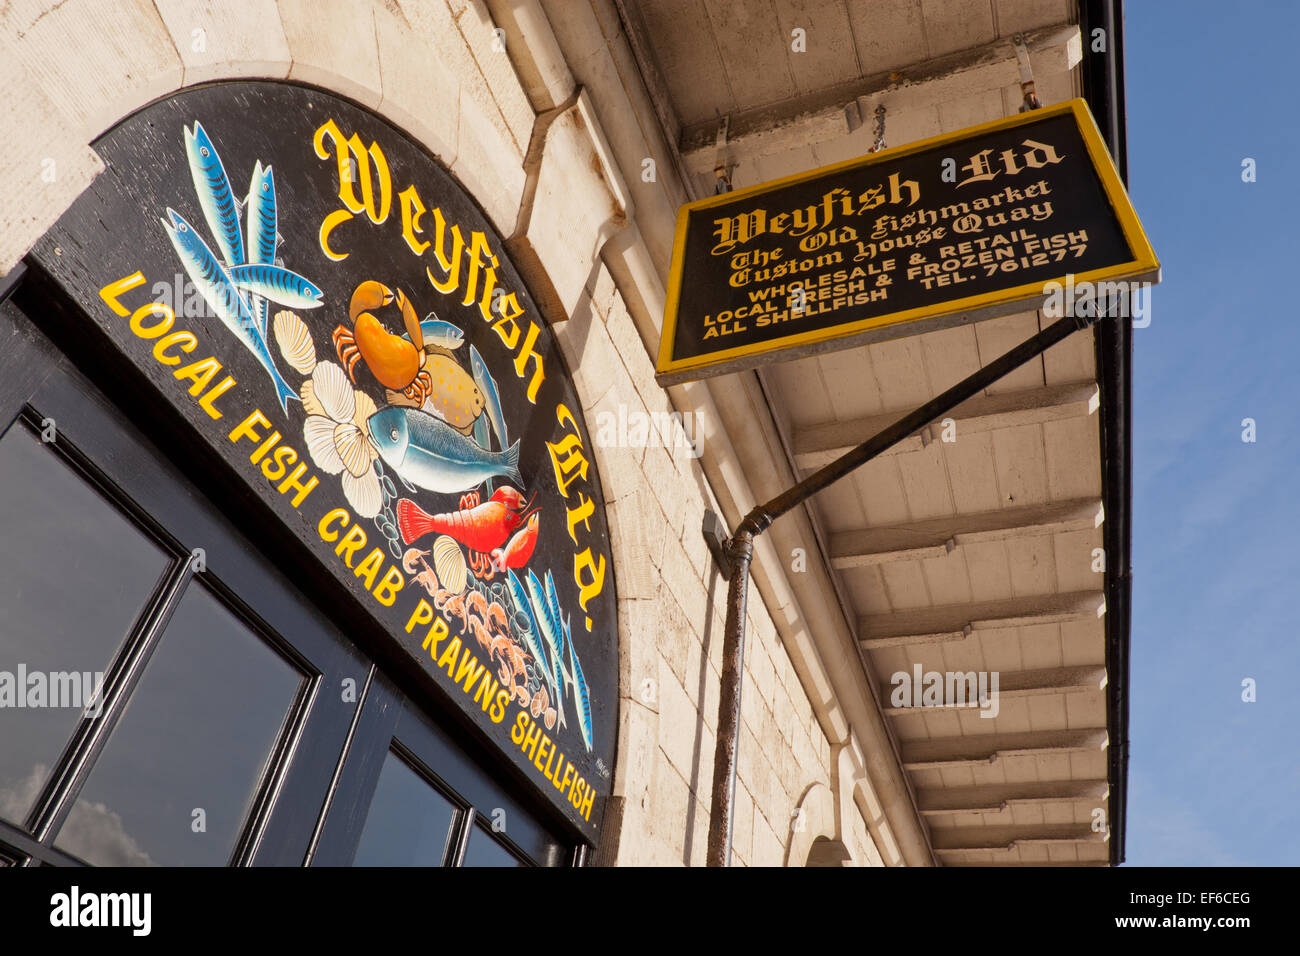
332, 314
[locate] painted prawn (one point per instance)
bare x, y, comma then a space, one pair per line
452, 605
476, 603
426, 578
480, 632
496, 619
511, 667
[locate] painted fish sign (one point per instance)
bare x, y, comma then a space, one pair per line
964, 226
334, 316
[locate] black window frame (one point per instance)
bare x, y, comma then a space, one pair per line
316, 786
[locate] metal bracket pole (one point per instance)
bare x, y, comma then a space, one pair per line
740, 552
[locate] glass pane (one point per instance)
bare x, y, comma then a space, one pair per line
175, 783
408, 822
482, 850
74, 573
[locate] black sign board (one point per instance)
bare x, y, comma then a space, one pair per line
962, 227
337, 319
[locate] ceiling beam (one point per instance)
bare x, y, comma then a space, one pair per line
1055, 680
821, 444
1012, 836
953, 622
835, 111
999, 797
936, 537
945, 752
954, 858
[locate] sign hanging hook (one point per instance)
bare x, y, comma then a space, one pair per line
1031, 101
720, 168
880, 129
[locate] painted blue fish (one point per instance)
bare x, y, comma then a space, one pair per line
428, 453
581, 698
491, 399
213, 281
215, 196
521, 601
277, 284
442, 334
550, 626
561, 629
261, 231
484, 441
481, 436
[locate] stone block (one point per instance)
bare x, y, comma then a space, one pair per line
638, 659
491, 54
618, 464
490, 166
45, 169
636, 537
596, 368
576, 209
94, 62
678, 725
334, 47
637, 747
742, 827
217, 40
421, 93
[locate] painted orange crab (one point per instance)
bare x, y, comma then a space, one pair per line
396, 362
419, 368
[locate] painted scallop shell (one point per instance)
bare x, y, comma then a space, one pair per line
319, 434
353, 448
449, 563
364, 494
310, 403
331, 388
365, 408
295, 342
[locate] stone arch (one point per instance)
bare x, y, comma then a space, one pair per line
80, 67
826, 851
814, 826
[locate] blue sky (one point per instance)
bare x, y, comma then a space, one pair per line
1216, 562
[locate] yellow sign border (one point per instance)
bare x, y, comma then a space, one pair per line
1145, 263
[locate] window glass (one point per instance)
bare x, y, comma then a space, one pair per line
74, 574
408, 823
483, 850
178, 776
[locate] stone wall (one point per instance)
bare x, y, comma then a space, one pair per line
671, 612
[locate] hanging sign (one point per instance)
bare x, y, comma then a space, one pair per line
332, 313
961, 227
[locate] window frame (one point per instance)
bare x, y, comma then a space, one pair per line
327, 758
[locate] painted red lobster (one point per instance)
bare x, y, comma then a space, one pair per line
484, 528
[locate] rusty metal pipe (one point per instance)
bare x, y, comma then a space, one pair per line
740, 550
